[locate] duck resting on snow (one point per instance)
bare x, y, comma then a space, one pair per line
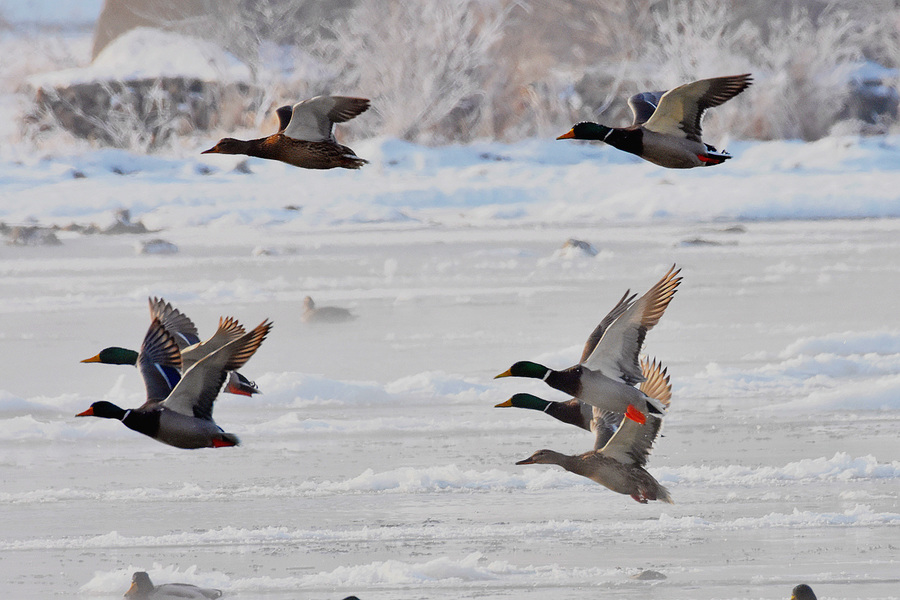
609, 368
305, 137
143, 589
620, 453
666, 127
324, 314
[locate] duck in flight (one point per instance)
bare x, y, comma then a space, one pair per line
184, 417
609, 367
666, 128
620, 452
183, 330
305, 136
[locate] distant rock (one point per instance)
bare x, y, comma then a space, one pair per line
31, 235
705, 242
648, 575
145, 87
156, 246
124, 224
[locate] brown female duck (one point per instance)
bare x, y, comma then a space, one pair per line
666, 127
620, 454
305, 136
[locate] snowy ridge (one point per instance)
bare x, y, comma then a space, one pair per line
858, 516
474, 569
452, 479
412, 186
846, 371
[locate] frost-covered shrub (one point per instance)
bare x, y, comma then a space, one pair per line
424, 65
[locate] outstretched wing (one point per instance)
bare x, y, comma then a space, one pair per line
620, 307
195, 393
643, 105
681, 109
175, 322
228, 331
632, 443
616, 355
159, 361
656, 385
313, 120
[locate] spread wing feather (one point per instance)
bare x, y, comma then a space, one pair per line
159, 361
681, 109
616, 355
313, 120
195, 393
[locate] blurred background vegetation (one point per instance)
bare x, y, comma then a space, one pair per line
441, 71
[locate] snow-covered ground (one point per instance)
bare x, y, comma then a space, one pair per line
374, 463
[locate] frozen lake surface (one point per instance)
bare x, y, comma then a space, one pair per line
374, 462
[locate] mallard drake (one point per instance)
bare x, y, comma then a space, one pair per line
619, 455
324, 314
305, 137
143, 589
802, 592
184, 418
666, 127
609, 368
187, 338
602, 422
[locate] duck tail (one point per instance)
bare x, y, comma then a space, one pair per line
226, 440
712, 156
662, 494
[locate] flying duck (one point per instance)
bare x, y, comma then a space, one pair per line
143, 589
186, 337
803, 592
619, 455
324, 314
305, 136
184, 418
666, 127
602, 423
609, 369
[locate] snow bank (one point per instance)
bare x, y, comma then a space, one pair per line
148, 53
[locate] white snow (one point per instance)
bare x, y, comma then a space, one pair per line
374, 462
148, 53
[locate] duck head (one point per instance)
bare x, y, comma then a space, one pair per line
802, 592
525, 368
104, 410
114, 356
542, 457
141, 586
525, 401
228, 146
586, 131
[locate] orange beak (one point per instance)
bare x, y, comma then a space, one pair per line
92, 359
504, 404
132, 591
567, 135
88, 413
